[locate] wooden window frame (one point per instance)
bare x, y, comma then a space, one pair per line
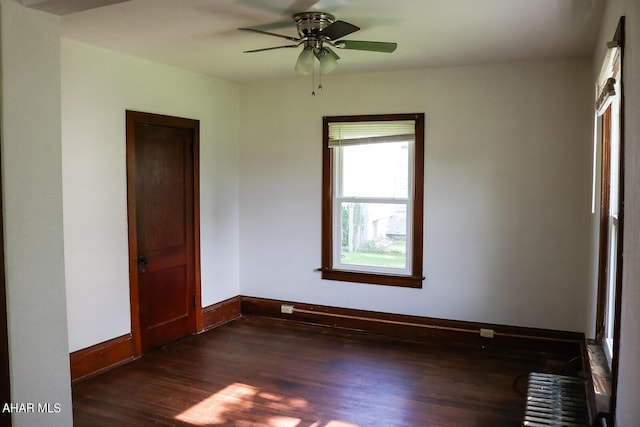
603, 246
415, 279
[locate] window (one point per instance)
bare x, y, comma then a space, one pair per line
609, 119
611, 214
373, 174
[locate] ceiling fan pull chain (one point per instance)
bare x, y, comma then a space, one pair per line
320, 78
313, 81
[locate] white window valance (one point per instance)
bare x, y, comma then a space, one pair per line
606, 84
355, 133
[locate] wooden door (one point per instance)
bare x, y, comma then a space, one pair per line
161, 166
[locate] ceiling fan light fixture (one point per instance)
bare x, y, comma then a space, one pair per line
328, 62
304, 64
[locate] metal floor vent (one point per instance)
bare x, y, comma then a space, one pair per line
555, 400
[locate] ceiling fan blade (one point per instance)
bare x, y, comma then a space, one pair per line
262, 5
338, 30
295, 7
366, 45
276, 25
271, 48
293, 39
300, 6
331, 52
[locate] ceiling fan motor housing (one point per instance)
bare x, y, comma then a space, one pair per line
311, 23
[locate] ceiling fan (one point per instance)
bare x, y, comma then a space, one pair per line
318, 33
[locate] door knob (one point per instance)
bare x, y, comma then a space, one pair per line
142, 262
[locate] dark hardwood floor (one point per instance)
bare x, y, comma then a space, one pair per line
267, 372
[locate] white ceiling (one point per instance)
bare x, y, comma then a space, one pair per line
202, 35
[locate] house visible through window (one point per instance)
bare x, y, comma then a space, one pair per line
372, 199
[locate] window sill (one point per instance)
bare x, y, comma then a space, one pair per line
600, 377
373, 278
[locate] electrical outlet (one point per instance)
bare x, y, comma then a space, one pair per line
486, 333
286, 309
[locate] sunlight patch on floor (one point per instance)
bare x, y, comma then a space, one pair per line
283, 422
239, 402
211, 410
333, 424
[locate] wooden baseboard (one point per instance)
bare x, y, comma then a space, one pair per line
101, 357
421, 328
104, 356
107, 355
220, 313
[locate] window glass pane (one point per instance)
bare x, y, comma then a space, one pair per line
376, 170
374, 234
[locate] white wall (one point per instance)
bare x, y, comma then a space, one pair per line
32, 200
628, 410
507, 191
97, 87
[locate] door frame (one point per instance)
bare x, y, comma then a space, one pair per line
133, 118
